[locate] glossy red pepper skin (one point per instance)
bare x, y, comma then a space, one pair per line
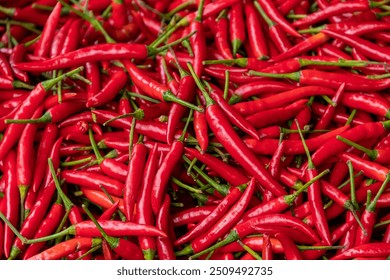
67, 247
47, 227
227, 136
133, 178
88, 54
93, 181
164, 173
34, 218
164, 244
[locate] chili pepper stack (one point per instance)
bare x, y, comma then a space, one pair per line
225, 129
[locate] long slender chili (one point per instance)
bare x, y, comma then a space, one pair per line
235, 146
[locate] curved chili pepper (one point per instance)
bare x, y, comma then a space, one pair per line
48, 225
214, 216
100, 198
44, 149
290, 249
109, 91
221, 37
223, 224
164, 244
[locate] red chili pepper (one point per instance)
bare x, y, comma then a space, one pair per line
274, 14
101, 199
223, 224
24, 157
45, 146
93, 181
236, 147
153, 88
34, 218
237, 27
12, 200
133, 179
255, 32
374, 249
283, 98
67, 247
192, 215
247, 227
222, 37
222, 208
276, 116
48, 225
26, 110
42, 47
201, 130
164, 244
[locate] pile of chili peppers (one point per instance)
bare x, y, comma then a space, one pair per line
195, 129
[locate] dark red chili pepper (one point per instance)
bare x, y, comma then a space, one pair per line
246, 91
67, 247
198, 40
291, 250
73, 37
6, 70
302, 47
143, 212
276, 31
164, 244
222, 37
201, 130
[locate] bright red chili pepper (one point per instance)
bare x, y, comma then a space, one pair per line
164, 244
